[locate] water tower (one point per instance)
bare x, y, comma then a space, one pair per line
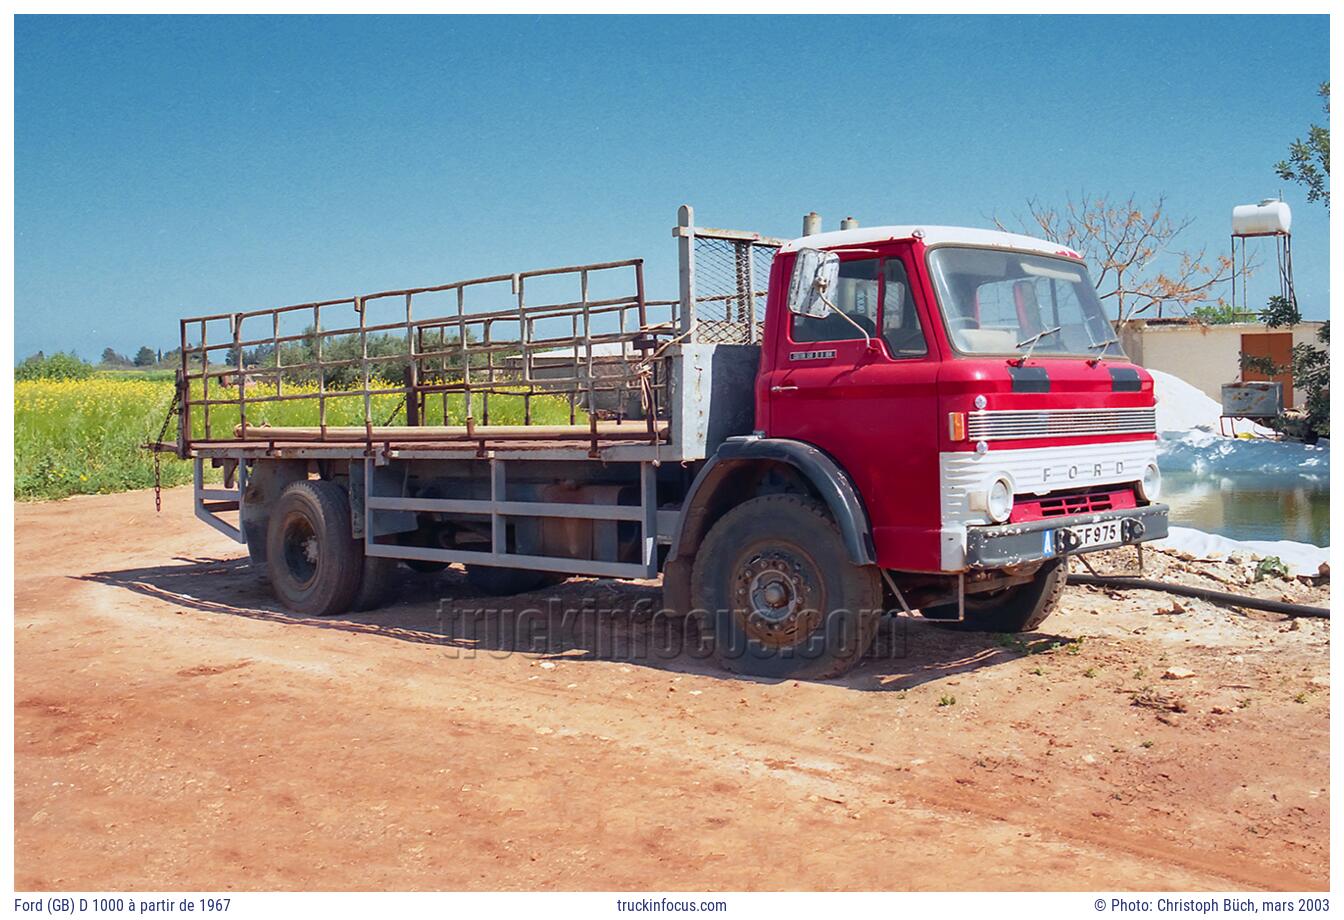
1270, 218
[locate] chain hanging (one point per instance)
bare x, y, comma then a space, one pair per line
163, 433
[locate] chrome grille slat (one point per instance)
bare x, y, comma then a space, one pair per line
1021, 424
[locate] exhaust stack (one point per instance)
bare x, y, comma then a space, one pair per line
811, 223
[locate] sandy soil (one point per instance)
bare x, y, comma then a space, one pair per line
175, 729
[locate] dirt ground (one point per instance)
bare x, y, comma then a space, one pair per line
176, 729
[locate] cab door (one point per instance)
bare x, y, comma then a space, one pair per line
871, 403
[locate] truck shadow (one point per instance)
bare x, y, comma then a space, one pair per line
582, 619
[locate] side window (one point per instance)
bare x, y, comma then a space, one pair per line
855, 295
900, 319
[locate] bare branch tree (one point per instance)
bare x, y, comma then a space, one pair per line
1125, 242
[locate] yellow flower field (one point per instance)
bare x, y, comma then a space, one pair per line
76, 437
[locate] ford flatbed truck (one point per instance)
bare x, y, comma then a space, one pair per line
814, 432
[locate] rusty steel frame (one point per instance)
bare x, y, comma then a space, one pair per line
632, 369
470, 359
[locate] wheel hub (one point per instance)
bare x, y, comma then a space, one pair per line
776, 598
302, 550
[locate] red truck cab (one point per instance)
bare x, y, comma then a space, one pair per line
951, 421
966, 397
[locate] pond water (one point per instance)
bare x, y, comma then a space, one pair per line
1251, 506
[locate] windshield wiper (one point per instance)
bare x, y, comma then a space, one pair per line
1094, 361
1031, 343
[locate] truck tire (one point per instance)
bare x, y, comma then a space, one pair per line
777, 594
498, 581
377, 584
1020, 608
315, 564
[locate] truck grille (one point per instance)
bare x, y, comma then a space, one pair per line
1067, 505
1016, 424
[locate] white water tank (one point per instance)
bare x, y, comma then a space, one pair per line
1268, 217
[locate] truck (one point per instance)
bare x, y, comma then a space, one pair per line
815, 432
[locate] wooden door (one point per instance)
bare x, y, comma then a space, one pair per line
1278, 347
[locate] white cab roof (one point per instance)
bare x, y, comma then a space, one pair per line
932, 235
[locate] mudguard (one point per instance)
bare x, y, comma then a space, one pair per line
713, 492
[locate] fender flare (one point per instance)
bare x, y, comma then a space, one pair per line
831, 482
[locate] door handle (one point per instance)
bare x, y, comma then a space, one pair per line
784, 389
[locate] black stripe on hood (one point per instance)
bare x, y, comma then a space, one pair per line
1029, 379
1125, 380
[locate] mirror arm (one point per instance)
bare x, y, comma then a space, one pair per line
867, 339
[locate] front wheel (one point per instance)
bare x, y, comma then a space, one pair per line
1020, 608
778, 593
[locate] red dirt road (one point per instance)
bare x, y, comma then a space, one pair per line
176, 729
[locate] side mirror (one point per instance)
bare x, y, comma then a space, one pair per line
814, 276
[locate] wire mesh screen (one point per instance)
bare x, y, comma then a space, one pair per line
731, 278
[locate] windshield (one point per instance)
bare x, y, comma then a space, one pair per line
996, 302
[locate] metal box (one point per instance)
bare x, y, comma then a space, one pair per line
1253, 399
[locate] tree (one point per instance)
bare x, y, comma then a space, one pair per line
113, 358
1124, 242
144, 357
1221, 314
1308, 160
1309, 164
345, 348
262, 354
1309, 365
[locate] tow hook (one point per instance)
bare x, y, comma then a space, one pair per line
1131, 530
1066, 541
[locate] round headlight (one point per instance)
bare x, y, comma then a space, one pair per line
1150, 486
999, 502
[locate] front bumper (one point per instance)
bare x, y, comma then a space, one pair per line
1033, 541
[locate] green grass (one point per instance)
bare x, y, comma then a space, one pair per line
134, 373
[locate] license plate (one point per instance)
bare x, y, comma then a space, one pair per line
1091, 536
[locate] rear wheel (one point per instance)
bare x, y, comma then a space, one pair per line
1020, 608
778, 593
314, 563
378, 582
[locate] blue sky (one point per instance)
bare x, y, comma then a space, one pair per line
167, 166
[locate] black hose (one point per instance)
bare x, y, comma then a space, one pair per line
1127, 583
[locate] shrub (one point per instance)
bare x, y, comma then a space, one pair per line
60, 366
